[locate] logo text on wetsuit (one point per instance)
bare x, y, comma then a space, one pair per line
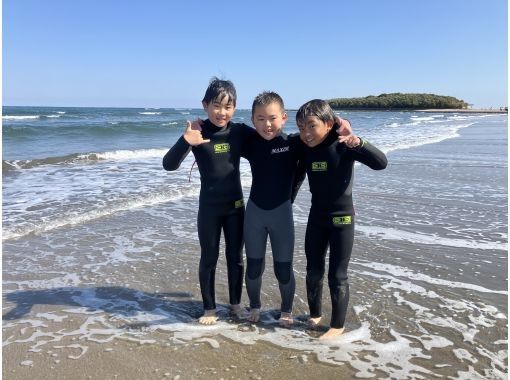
222, 148
342, 220
239, 203
319, 166
280, 150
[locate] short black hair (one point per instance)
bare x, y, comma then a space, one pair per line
316, 107
265, 98
218, 89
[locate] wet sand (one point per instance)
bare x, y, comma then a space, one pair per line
201, 359
428, 310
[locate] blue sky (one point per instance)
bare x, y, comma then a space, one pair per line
163, 53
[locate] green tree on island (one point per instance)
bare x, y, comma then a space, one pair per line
398, 101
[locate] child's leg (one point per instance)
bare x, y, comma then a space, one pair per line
233, 233
209, 231
255, 237
341, 242
281, 233
316, 245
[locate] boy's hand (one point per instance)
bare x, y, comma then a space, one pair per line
351, 141
193, 133
345, 126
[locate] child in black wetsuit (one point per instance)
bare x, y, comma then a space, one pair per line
277, 175
330, 168
216, 146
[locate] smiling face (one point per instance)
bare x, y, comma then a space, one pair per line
313, 131
269, 120
220, 112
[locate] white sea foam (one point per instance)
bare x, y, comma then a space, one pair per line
69, 279
150, 113
396, 357
88, 216
398, 271
122, 155
14, 117
429, 239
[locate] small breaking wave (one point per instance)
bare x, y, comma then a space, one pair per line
81, 158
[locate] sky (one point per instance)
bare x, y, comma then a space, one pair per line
157, 53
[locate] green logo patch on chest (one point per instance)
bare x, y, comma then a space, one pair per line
319, 166
222, 148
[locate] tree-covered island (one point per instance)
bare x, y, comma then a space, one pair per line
398, 101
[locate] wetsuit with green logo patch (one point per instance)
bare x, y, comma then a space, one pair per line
330, 170
221, 204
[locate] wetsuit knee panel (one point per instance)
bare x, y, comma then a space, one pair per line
254, 268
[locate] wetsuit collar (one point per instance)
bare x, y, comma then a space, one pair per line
330, 138
209, 125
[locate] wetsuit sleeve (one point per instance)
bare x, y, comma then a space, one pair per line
174, 157
298, 179
369, 155
247, 134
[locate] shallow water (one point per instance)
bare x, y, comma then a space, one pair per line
102, 236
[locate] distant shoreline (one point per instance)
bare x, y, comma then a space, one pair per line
468, 110
440, 110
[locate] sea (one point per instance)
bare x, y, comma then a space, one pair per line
94, 230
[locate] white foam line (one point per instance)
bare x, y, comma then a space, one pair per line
432, 239
94, 214
404, 272
121, 155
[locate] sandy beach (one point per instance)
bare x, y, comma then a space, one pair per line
104, 285
198, 360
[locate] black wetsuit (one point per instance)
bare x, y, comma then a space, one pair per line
276, 179
221, 203
330, 170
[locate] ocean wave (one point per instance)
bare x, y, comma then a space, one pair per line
391, 141
150, 113
80, 158
91, 215
32, 117
20, 117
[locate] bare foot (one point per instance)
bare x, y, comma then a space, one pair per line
286, 319
254, 315
314, 322
331, 333
236, 311
209, 317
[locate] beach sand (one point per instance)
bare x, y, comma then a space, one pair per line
425, 310
216, 358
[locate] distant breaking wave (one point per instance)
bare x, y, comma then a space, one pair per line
80, 158
90, 129
30, 117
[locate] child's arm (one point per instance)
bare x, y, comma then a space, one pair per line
298, 179
192, 136
174, 157
365, 152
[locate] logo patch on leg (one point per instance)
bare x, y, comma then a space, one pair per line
342, 220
